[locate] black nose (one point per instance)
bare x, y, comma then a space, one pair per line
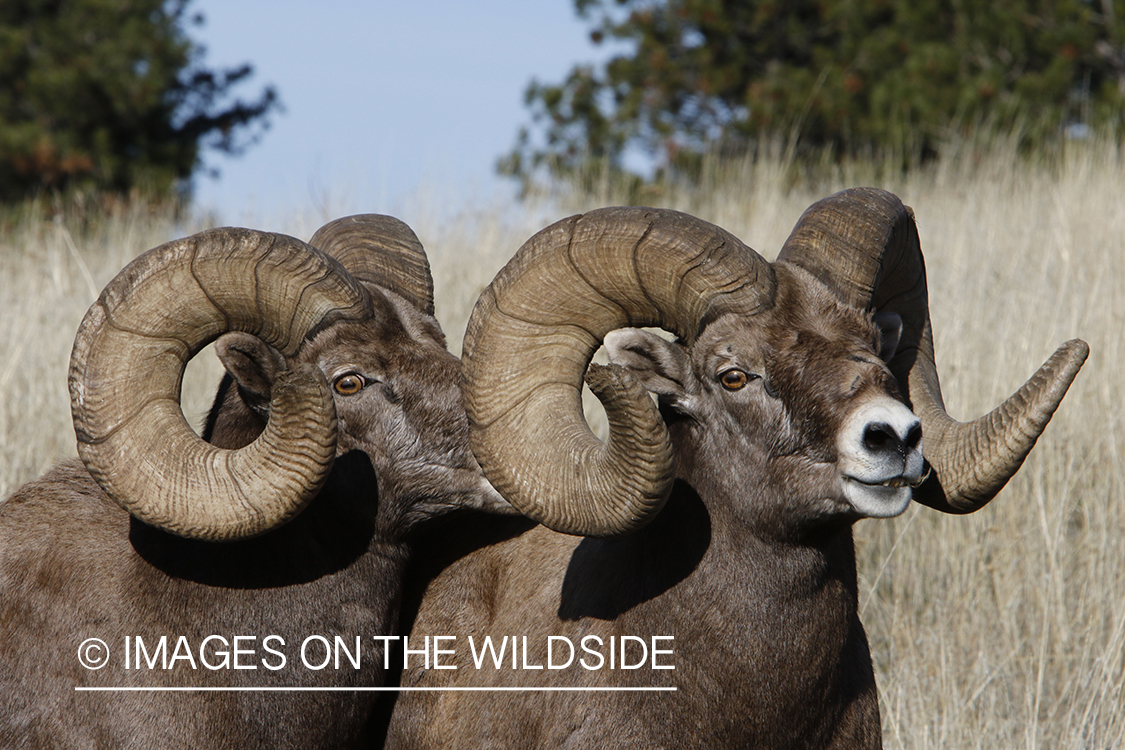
880, 437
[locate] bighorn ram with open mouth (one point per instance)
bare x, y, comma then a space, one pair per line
338, 428
800, 396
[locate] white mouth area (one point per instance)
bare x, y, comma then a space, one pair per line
879, 478
882, 500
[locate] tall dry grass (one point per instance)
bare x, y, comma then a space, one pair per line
53, 263
1005, 628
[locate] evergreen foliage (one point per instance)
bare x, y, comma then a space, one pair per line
850, 76
111, 95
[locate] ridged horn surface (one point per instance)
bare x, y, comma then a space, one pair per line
127, 366
534, 330
380, 250
863, 244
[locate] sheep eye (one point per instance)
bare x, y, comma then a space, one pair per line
734, 380
347, 385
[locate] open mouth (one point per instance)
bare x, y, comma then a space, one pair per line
893, 482
896, 482
884, 498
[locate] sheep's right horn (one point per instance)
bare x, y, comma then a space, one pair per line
534, 330
381, 250
128, 362
863, 245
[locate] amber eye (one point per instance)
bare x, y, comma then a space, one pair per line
734, 380
347, 385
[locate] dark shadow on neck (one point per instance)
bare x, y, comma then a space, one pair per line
436, 545
336, 528
607, 577
441, 541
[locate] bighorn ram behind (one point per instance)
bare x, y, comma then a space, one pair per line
207, 565
721, 517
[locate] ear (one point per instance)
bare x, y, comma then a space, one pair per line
663, 367
890, 330
253, 364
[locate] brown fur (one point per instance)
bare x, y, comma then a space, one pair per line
74, 566
750, 565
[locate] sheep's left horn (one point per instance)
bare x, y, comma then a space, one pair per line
534, 330
863, 245
128, 363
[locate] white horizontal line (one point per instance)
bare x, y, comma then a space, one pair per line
370, 689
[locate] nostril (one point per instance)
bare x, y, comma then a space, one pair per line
879, 437
914, 437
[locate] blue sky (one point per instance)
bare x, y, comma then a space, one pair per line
382, 98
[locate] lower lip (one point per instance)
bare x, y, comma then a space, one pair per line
892, 484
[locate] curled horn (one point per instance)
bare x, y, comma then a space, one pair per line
863, 244
128, 361
380, 250
532, 335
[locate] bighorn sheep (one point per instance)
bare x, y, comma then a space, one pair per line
340, 396
721, 517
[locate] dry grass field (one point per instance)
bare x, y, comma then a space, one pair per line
1003, 629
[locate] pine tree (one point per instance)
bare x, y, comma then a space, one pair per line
112, 95
704, 76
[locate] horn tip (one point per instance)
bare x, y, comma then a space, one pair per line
1062, 366
1076, 351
